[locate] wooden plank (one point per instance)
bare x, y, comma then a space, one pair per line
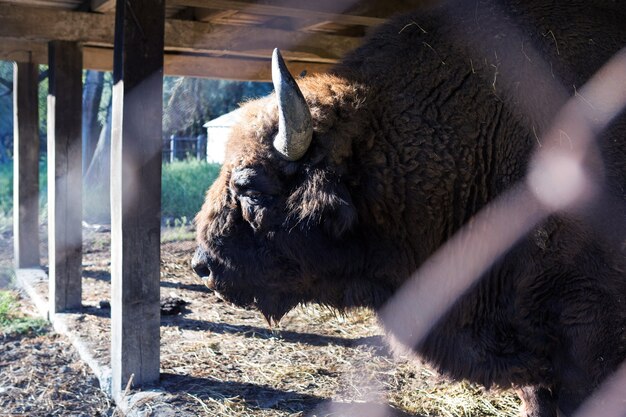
136, 192
108, 6
23, 51
323, 6
61, 4
103, 6
101, 59
25, 165
188, 36
253, 41
31, 23
303, 11
205, 15
63, 323
233, 69
192, 65
235, 18
64, 175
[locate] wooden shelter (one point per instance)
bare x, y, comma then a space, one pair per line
139, 40
230, 39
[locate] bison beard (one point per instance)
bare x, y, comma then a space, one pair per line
336, 189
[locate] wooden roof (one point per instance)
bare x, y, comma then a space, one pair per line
230, 39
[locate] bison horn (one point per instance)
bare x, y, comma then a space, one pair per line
295, 129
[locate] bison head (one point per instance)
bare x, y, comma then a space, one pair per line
279, 225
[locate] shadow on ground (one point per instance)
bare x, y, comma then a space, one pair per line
265, 397
265, 333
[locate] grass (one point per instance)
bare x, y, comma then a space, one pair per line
12, 321
177, 230
6, 188
6, 197
184, 184
6, 222
6, 194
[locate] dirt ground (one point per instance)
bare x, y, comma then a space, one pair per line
221, 360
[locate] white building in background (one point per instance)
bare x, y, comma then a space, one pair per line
217, 131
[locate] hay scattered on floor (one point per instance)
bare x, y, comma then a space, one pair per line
221, 360
40, 375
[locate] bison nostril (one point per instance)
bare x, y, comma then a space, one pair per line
199, 263
202, 270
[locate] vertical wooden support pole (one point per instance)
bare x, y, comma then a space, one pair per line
64, 175
25, 165
136, 192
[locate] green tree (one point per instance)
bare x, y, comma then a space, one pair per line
6, 107
97, 175
6, 110
93, 84
189, 102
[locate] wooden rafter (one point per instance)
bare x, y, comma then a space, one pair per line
193, 65
205, 15
183, 36
103, 6
251, 6
59, 4
208, 67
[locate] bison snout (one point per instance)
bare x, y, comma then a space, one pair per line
200, 263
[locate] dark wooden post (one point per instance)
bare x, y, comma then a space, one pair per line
136, 192
64, 175
25, 165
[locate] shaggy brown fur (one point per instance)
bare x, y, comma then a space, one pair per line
414, 132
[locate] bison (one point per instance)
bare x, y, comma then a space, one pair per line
339, 186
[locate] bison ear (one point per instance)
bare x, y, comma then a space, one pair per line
323, 201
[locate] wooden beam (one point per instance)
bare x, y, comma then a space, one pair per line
324, 6
187, 36
192, 65
233, 69
60, 4
307, 11
205, 15
31, 23
103, 6
64, 175
24, 51
25, 165
253, 41
136, 192
101, 59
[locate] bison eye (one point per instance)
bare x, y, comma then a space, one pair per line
252, 194
254, 197
253, 185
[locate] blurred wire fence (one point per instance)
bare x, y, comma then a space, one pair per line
557, 181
